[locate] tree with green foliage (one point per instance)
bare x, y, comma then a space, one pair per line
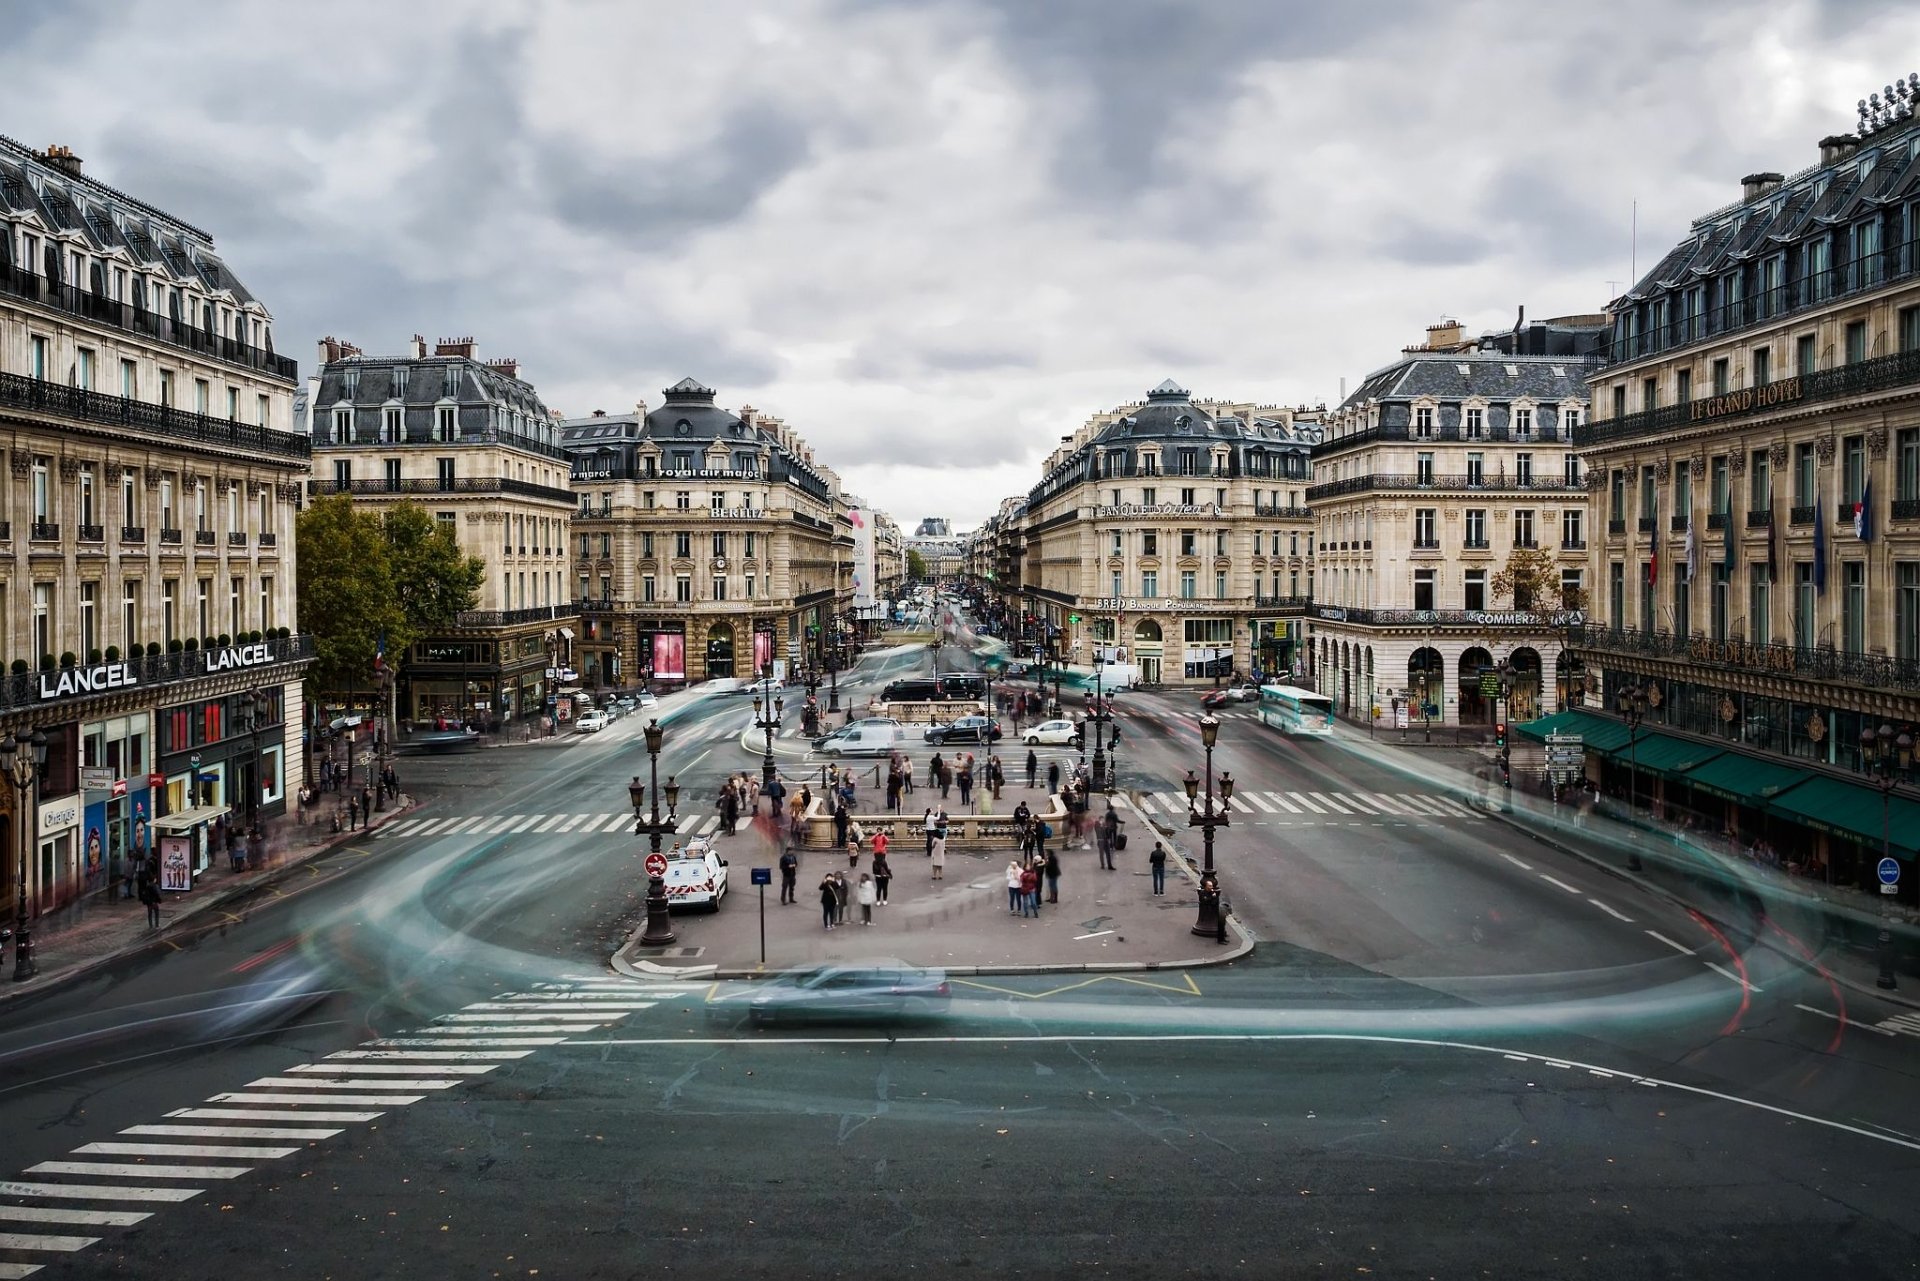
347, 596
434, 581
916, 565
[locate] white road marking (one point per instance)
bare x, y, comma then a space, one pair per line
1388, 804
432, 826
1240, 805
1450, 806
1096, 934
401, 828
707, 828
305, 1083
1516, 862
461, 827
1727, 973
1264, 807
8, 1271
88, 1218
687, 825
139, 1170
588, 1001
551, 823
1146, 804
1283, 802
570, 1015
1683, 950
182, 1149
495, 1029
1330, 802
1423, 805
568, 826
270, 1114
1615, 914
350, 1100
525, 823
235, 1131
1551, 880
98, 1192
1175, 804
49, 1242
1307, 803
464, 1041
392, 1069
452, 1055
1825, 1014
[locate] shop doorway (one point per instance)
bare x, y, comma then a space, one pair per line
720, 651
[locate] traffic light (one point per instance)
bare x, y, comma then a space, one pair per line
1500, 736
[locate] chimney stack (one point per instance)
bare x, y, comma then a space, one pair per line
1837, 146
1758, 184
464, 347
62, 158
418, 349
329, 350
506, 365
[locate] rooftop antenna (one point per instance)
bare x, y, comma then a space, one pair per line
1633, 251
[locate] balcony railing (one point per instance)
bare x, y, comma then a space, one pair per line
1573, 544
1518, 618
269, 540
433, 485
19, 392
236, 538
36, 689
1617, 526
1899, 509
1843, 512
1882, 373
1422, 544
203, 538
1451, 434
1646, 524
90, 533
45, 532
1283, 602
1474, 544
1439, 480
1875, 671
372, 438
1800, 515
1762, 519
1283, 513
1716, 520
510, 617
170, 537
1678, 522
74, 301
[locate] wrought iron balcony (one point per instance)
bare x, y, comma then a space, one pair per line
1874, 671
90, 533
1678, 522
269, 540
19, 283
45, 532
1716, 520
1800, 515
1439, 481
432, 485
1646, 524
1573, 544
1282, 513
1899, 509
1617, 526
34, 394
31, 689
1844, 512
1761, 519
236, 538
511, 617
203, 538
1537, 620
170, 537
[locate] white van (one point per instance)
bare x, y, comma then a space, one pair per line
865, 738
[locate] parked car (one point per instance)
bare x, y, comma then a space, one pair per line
862, 740
1052, 732
965, 729
856, 990
646, 698
591, 722
696, 876
1215, 699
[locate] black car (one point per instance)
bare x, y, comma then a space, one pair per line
965, 729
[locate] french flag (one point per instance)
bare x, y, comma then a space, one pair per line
1863, 513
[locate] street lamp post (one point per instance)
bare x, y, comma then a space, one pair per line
1212, 921
767, 711
1633, 709
833, 675
1887, 759
651, 824
25, 759
1100, 717
253, 711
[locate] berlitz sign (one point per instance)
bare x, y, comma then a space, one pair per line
87, 680
220, 660
1157, 509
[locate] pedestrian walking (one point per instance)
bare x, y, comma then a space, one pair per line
366, 804
867, 895
946, 781
789, 876
934, 769
1053, 778
882, 872
1033, 767
353, 812
1103, 834
1013, 887
939, 854
829, 901
841, 821
776, 794
1158, 862
1052, 870
966, 784
841, 893
996, 777
148, 892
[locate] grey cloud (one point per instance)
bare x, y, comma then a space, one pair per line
1424, 244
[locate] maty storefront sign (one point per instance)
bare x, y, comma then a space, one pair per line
87, 680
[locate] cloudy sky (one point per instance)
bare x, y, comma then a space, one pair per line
936, 236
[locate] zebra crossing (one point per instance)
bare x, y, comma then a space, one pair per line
1901, 1025
541, 824
120, 1181
1301, 808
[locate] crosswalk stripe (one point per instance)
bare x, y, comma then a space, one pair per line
492, 1030
392, 1069
612, 1002
139, 1170
1146, 804
571, 1014
345, 1100
1388, 804
1419, 803
551, 823
613, 823
1264, 807
1286, 805
268, 1114
466, 1040
687, 825
368, 1083
1240, 805
524, 823
1448, 804
1175, 802
182, 1149
707, 828
495, 823
429, 826
1359, 802
573, 821
400, 828
1330, 803
1304, 801
232, 1132
49, 1242
98, 1192
91, 1218
456, 1056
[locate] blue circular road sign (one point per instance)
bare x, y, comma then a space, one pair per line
1889, 871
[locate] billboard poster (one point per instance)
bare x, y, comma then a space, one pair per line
862, 521
762, 651
670, 656
176, 863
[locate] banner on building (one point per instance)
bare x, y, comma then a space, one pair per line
862, 521
670, 656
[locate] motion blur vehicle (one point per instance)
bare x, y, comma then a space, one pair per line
1052, 732
848, 991
964, 729
865, 738
591, 722
768, 687
1214, 699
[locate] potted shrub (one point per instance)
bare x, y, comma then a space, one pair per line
46, 662
93, 657
113, 653
67, 660
21, 667
223, 640
192, 645
153, 649
174, 646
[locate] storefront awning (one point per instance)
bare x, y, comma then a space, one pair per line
187, 820
1597, 733
1853, 811
1664, 754
1748, 780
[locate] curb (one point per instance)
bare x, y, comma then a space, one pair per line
57, 980
1621, 874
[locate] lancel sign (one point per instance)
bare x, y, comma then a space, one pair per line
221, 660
97, 679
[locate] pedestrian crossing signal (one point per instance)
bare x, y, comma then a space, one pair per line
1500, 735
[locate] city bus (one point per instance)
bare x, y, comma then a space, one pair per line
1293, 710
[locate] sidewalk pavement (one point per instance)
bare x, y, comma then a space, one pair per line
93, 931
1104, 921
1676, 864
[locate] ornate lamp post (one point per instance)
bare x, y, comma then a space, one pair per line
1632, 702
659, 931
1887, 759
833, 674
1212, 922
25, 760
252, 712
767, 711
1100, 717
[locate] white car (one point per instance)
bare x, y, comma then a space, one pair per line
696, 876
1052, 732
591, 722
646, 698
771, 687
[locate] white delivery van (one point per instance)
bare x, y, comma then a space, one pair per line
865, 738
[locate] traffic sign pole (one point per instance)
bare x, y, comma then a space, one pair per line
763, 877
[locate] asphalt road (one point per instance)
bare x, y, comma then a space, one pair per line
1439, 1061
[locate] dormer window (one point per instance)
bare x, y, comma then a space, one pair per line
397, 384
682, 427
1423, 421
1183, 424
450, 382
392, 428
1522, 422
445, 423
342, 426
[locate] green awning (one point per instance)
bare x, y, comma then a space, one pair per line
1664, 754
1597, 733
1851, 810
1745, 779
